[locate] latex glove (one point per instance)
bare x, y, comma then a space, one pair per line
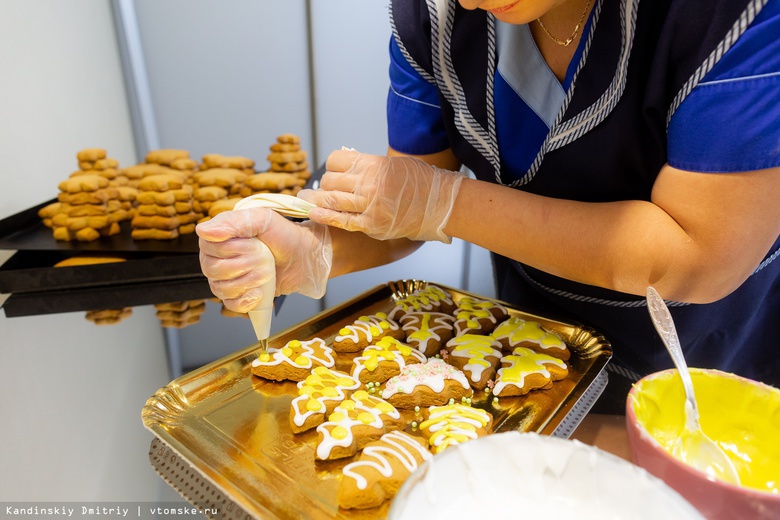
385, 197
236, 265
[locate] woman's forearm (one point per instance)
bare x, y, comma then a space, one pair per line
674, 243
353, 251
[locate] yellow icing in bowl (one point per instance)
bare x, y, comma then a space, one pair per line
741, 416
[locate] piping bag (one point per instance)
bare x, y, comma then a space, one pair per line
288, 206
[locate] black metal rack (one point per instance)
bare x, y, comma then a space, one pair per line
153, 271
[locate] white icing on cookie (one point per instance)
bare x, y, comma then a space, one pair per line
360, 409
367, 328
475, 348
386, 349
299, 354
322, 386
424, 327
432, 374
401, 447
453, 424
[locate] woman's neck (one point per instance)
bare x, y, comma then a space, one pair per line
554, 29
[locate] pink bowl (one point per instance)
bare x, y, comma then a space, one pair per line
721, 397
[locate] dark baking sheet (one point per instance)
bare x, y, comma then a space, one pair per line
106, 297
33, 271
25, 231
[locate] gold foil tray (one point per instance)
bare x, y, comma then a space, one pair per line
232, 428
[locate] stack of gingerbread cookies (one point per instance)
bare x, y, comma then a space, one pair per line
164, 208
218, 184
109, 316
180, 314
287, 157
157, 216
89, 204
288, 171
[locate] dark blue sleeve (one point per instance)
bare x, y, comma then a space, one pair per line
730, 122
414, 119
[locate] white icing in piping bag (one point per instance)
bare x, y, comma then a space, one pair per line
261, 315
285, 205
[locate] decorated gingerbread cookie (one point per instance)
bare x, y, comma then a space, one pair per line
445, 426
366, 330
355, 422
516, 332
426, 384
427, 331
385, 359
525, 370
318, 394
383, 466
430, 299
478, 316
477, 356
294, 361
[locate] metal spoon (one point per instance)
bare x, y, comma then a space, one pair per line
693, 446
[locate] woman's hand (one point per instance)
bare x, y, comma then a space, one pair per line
385, 197
237, 266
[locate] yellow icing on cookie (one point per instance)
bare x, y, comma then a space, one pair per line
384, 407
424, 332
330, 391
365, 418
517, 330
520, 367
388, 342
453, 424
339, 432
313, 405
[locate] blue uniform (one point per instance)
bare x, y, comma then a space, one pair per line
649, 85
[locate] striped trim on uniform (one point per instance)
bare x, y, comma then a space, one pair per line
421, 71
442, 15
739, 27
618, 303
562, 134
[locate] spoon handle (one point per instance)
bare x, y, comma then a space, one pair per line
662, 320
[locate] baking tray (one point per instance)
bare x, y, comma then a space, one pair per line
106, 297
232, 429
25, 231
31, 271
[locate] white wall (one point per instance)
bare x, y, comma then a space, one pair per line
226, 76
71, 393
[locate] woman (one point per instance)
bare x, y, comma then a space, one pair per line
616, 144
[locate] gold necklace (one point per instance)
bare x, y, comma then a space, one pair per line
567, 41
